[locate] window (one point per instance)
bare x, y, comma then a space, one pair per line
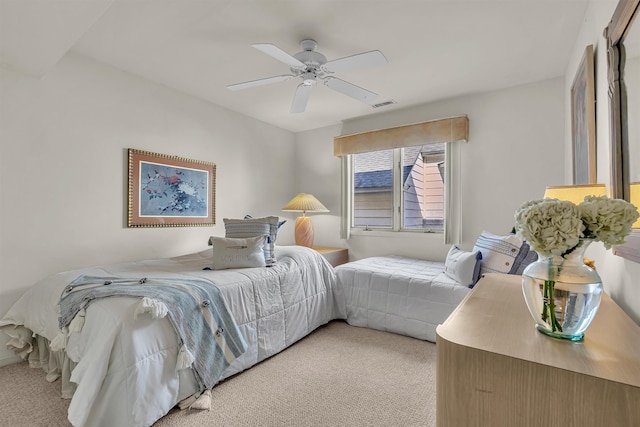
399, 189
399, 186
373, 189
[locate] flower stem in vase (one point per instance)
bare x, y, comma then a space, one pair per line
549, 305
545, 301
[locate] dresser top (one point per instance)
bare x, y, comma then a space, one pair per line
494, 318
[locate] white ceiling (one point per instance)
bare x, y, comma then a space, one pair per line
436, 48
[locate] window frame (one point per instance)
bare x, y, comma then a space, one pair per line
397, 197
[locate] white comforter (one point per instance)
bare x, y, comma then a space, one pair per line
125, 370
398, 294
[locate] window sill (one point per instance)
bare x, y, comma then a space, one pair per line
397, 234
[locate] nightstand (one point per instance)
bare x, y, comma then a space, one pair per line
335, 256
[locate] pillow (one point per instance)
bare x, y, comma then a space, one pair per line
242, 228
499, 253
238, 253
280, 223
463, 267
525, 256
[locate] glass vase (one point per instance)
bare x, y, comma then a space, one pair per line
562, 293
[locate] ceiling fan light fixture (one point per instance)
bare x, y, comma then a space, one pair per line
308, 78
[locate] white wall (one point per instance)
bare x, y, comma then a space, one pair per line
620, 276
63, 169
515, 150
317, 172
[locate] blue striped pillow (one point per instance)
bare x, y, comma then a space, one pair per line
253, 227
525, 257
499, 253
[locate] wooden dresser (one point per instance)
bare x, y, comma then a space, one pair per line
496, 370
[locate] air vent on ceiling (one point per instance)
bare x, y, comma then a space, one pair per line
384, 104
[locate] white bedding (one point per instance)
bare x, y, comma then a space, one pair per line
398, 294
125, 368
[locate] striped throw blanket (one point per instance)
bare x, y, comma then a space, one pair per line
210, 337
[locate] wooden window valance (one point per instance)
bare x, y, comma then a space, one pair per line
434, 131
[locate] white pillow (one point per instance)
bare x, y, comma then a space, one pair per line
498, 252
238, 253
463, 267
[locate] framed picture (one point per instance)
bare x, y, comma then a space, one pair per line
583, 121
170, 191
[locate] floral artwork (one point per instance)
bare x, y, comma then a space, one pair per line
170, 191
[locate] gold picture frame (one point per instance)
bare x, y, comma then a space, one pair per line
170, 191
583, 121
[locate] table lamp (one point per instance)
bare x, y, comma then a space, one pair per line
575, 193
634, 199
304, 226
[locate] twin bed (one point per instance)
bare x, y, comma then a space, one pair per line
397, 294
124, 364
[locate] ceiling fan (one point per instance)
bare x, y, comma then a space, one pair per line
310, 66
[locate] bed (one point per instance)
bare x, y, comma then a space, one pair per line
121, 367
412, 296
399, 294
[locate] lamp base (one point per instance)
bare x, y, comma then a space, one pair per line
304, 231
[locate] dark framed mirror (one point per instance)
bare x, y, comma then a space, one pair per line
623, 54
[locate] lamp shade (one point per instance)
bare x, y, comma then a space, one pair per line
305, 203
634, 199
575, 193
304, 226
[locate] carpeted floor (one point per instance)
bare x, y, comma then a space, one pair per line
339, 375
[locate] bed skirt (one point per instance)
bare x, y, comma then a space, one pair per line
36, 350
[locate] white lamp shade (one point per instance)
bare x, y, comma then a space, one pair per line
634, 199
575, 193
304, 202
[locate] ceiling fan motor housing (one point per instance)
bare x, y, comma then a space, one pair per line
312, 59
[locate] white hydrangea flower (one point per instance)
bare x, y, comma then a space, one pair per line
553, 227
607, 220
550, 226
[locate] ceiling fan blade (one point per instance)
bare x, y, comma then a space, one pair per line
279, 54
353, 62
301, 97
351, 90
261, 82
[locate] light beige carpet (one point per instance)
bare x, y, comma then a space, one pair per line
339, 375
